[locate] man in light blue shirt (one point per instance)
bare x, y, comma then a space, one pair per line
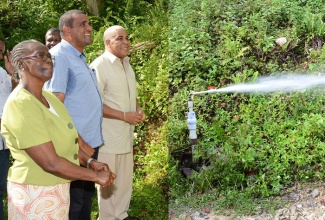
75, 84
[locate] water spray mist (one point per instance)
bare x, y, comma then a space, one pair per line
265, 84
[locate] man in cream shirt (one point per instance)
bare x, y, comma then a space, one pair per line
121, 112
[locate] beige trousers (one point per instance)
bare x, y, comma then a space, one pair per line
114, 201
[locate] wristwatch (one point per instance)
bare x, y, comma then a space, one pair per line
89, 161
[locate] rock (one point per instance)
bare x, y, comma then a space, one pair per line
295, 216
171, 213
294, 197
281, 41
299, 206
293, 209
187, 171
205, 210
311, 204
322, 202
282, 214
196, 214
315, 193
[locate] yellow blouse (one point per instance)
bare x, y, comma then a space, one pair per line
26, 122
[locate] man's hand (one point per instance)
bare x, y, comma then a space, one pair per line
143, 115
135, 118
8, 65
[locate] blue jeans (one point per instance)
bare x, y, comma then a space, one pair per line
4, 166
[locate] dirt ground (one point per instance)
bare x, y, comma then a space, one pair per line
306, 202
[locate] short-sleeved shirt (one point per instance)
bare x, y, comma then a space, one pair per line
26, 122
5, 90
73, 77
117, 85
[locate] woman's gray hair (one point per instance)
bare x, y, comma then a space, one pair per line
19, 51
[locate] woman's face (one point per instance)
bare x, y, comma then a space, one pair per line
39, 64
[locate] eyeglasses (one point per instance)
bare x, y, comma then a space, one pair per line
39, 57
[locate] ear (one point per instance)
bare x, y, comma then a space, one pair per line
107, 43
66, 30
22, 66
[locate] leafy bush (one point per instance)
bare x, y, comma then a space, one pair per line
253, 143
146, 23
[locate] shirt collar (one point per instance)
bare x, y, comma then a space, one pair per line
112, 57
72, 48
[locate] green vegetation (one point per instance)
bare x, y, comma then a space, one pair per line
251, 146
146, 23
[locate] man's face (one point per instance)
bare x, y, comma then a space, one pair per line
119, 45
52, 39
80, 32
2, 49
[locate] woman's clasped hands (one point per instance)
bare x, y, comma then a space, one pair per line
104, 176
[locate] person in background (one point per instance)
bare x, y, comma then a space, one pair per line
121, 113
5, 90
52, 37
75, 84
43, 142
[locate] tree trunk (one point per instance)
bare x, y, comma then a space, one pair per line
93, 6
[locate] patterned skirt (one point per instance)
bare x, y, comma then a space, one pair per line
27, 202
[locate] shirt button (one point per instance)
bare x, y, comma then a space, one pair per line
75, 156
70, 125
76, 141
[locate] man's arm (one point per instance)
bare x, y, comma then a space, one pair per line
60, 95
8, 65
85, 147
10, 69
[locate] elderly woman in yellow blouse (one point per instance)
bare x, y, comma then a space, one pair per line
43, 142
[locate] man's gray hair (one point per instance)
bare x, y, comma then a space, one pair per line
67, 19
110, 32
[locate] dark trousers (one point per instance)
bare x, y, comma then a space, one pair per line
4, 166
81, 194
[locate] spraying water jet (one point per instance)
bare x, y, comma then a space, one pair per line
262, 85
